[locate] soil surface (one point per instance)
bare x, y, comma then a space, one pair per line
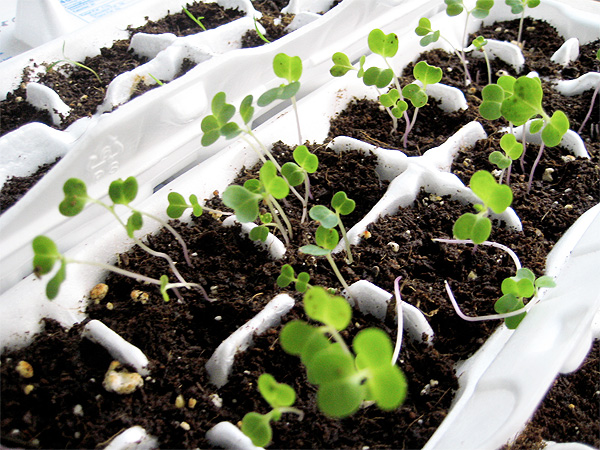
176, 338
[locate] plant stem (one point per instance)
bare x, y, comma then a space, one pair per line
275, 215
294, 105
337, 272
589, 113
399, 321
175, 234
350, 260
535, 163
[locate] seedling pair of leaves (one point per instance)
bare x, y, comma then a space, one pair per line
518, 7
520, 100
46, 255
244, 200
511, 151
523, 285
288, 276
344, 380
328, 219
495, 197
280, 397
297, 172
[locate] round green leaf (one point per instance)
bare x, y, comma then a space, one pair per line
287, 67
492, 98
330, 364
53, 285
327, 238
134, 223
509, 303
554, 131
427, 74
243, 202
383, 44
246, 109
341, 64
342, 204
387, 386
525, 102
259, 233
453, 7
75, 197
177, 205
424, 27
305, 159
257, 427
315, 250
340, 398
332, 310
286, 277
324, 216
45, 255
374, 76
373, 348
276, 394
500, 160
511, 146
292, 173
495, 196
472, 226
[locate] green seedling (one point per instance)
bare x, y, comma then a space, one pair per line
327, 240
46, 255
280, 397
156, 80
494, 196
290, 69
197, 20
344, 380
178, 205
519, 101
510, 306
288, 276
523, 285
297, 173
589, 113
260, 35
453, 8
518, 7
74, 63
269, 188
503, 160
479, 43
342, 206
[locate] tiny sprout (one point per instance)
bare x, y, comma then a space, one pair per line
288, 276
280, 397
327, 239
195, 19
178, 205
496, 197
296, 173
518, 7
344, 380
515, 289
512, 151
479, 43
75, 63
260, 35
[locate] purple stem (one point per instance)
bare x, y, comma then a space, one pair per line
535, 163
589, 113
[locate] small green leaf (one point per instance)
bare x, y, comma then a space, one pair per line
305, 159
134, 223
246, 109
491, 105
164, 281
222, 111
342, 204
315, 250
545, 282
53, 285
554, 131
330, 364
387, 386
340, 398
383, 44
243, 202
482, 8
424, 27
331, 310
258, 428
123, 192
472, 226
327, 238
286, 277
511, 146
341, 65
373, 348
374, 76
177, 205
509, 303
273, 184
479, 42
287, 67
525, 102
276, 394
196, 207
500, 160
75, 197
495, 196
427, 74
324, 216
302, 282
416, 94
454, 7
536, 125
292, 173
259, 233
388, 100
430, 38
45, 255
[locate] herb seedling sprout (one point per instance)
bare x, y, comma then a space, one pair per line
290, 69
518, 7
75, 63
197, 20
46, 255
344, 380
280, 397
479, 43
178, 205
494, 196
327, 240
288, 276
260, 35
512, 151
297, 172
510, 306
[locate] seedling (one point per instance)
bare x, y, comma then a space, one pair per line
512, 151
327, 239
297, 172
518, 7
344, 380
494, 196
479, 43
280, 397
342, 206
290, 69
453, 8
75, 63
518, 101
260, 35
178, 205
386, 46
288, 276
269, 188
121, 192
510, 306
46, 255
197, 20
